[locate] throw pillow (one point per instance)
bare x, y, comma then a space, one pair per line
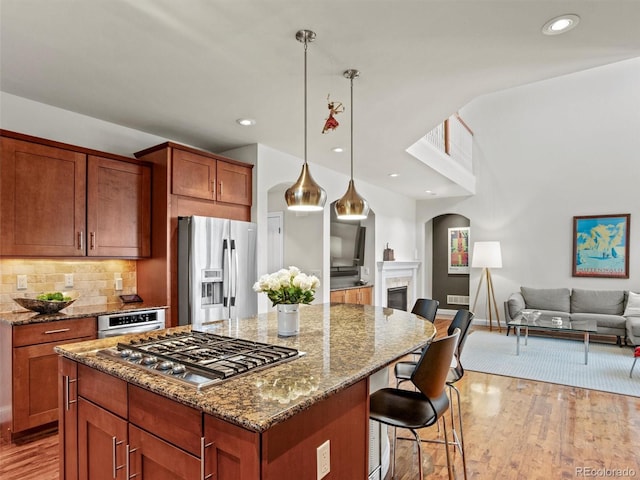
633, 305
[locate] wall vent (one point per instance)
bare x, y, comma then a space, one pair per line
458, 299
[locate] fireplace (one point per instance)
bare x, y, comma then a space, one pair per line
397, 298
394, 275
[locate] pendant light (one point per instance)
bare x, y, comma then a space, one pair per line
305, 195
352, 206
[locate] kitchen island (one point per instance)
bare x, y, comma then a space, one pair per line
262, 425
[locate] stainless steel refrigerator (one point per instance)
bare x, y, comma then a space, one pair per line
216, 270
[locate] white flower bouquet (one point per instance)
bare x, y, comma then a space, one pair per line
288, 286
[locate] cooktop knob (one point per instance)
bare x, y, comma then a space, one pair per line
150, 360
178, 369
135, 356
166, 365
126, 352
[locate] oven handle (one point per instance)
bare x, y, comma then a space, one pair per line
127, 331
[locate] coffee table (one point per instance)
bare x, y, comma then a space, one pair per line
560, 324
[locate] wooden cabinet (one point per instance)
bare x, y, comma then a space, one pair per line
102, 443
68, 418
359, 296
209, 177
124, 431
31, 399
58, 200
118, 208
186, 181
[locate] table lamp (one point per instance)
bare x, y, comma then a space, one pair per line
487, 255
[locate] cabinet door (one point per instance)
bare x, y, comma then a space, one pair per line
193, 175
102, 440
154, 459
42, 198
234, 453
68, 418
234, 183
118, 209
366, 295
352, 295
337, 296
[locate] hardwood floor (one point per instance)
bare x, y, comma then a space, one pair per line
513, 429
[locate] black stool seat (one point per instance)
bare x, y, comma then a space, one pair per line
406, 408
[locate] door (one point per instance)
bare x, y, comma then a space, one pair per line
275, 241
118, 208
155, 459
243, 271
234, 183
102, 440
43, 200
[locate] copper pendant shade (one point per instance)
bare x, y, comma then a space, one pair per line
351, 206
305, 195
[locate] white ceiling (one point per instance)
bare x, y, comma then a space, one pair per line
186, 70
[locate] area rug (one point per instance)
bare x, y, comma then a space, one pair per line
553, 360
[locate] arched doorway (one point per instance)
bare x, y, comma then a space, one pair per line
450, 249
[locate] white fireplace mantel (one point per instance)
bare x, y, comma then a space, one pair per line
397, 269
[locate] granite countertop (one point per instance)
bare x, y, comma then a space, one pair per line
343, 344
20, 316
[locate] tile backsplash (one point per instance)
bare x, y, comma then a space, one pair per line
93, 280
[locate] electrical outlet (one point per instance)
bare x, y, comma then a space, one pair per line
22, 282
118, 283
323, 460
68, 280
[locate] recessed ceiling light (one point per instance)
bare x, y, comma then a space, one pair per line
560, 24
246, 122
394, 175
337, 149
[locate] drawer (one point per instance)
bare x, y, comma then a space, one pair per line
172, 421
55, 331
103, 389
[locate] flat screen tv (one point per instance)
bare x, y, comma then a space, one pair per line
347, 245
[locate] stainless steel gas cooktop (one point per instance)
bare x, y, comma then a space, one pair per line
199, 359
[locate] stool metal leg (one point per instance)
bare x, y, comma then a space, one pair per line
632, 366
458, 442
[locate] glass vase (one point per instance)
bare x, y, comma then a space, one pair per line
288, 319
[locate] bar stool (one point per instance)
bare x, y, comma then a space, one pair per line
636, 354
425, 407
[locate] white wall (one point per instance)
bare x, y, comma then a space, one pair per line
544, 153
32, 118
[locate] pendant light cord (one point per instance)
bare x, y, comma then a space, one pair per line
305, 101
352, 127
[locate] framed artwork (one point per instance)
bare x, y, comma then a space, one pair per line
458, 261
601, 246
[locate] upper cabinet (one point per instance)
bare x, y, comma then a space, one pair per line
209, 177
63, 201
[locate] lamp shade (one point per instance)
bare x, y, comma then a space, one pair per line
486, 255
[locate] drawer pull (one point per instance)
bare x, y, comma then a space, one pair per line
221, 189
80, 241
203, 446
92, 243
60, 330
67, 391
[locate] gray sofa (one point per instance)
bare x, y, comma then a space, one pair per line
606, 307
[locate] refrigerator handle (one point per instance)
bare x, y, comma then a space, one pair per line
234, 270
226, 279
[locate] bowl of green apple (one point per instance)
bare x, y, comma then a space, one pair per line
48, 302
